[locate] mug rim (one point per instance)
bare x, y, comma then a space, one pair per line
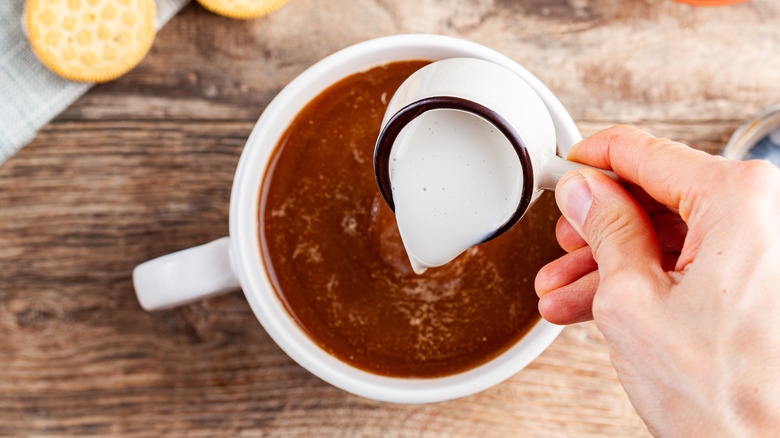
246, 248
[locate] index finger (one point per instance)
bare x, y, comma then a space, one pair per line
668, 171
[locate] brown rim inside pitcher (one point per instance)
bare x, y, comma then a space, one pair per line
405, 115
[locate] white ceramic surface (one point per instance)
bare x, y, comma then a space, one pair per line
501, 89
163, 283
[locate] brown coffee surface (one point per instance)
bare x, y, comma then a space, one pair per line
335, 257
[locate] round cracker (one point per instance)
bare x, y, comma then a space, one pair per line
91, 40
242, 9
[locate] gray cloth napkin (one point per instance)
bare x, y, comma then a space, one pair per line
31, 95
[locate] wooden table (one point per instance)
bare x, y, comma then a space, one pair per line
143, 166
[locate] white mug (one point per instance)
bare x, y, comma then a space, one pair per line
236, 261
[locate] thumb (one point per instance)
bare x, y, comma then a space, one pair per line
617, 229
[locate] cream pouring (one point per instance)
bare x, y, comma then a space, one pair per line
455, 179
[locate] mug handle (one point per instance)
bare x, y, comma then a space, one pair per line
185, 276
554, 167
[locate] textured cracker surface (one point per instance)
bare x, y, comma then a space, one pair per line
242, 8
91, 40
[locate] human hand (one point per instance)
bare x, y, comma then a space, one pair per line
681, 273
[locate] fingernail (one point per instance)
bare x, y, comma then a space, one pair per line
574, 199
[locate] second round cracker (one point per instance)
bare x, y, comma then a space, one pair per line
242, 9
91, 40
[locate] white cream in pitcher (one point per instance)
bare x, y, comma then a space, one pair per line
455, 179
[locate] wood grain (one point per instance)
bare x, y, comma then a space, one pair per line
142, 166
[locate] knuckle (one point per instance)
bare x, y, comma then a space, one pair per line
606, 228
757, 176
620, 131
623, 128
756, 189
743, 185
